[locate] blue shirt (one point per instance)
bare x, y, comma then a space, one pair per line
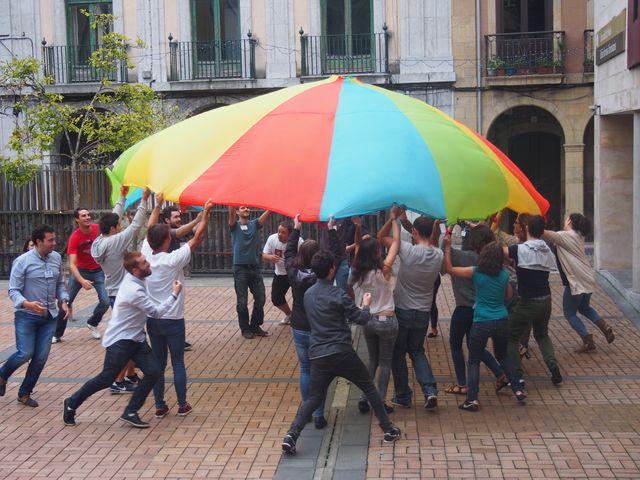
245, 242
36, 278
490, 296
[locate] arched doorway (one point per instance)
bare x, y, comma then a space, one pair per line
533, 139
588, 174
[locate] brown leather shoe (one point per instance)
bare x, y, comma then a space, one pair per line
606, 330
247, 334
587, 345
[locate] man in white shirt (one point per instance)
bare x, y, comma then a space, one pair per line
167, 332
273, 252
125, 340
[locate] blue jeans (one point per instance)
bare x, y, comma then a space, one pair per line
461, 322
167, 336
301, 342
33, 341
97, 277
248, 277
412, 330
498, 331
342, 274
572, 304
380, 334
115, 359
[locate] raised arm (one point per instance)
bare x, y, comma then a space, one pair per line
447, 266
264, 217
201, 231
188, 228
395, 246
155, 213
292, 245
383, 234
118, 208
435, 233
232, 215
404, 221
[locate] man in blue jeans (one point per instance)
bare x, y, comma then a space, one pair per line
85, 272
246, 269
35, 286
125, 340
419, 269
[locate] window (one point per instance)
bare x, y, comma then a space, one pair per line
216, 29
515, 16
348, 26
80, 32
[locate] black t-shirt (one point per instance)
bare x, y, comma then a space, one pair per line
531, 283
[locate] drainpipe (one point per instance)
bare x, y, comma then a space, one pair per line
478, 71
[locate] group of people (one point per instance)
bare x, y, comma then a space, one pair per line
500, 284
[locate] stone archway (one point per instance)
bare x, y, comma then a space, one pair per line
205, 108
533, 138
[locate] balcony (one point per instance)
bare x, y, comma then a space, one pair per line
224, 59
588, 51
526, 54
70, 64
344, 54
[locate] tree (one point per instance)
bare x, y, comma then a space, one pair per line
113, 119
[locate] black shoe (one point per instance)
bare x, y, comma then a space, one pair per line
319, 422
392, 435
259, 332
27, 401
388, 408
247, 334
431, 403
134, 420
521, 384
521, 396
363, 406
401, 403
187, 347
469, 406
289, 444
68, 414
3, 387
556, 377
121, 387
133, 379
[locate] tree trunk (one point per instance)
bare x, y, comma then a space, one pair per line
74, 182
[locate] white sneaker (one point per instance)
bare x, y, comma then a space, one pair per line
95, 333
55, 340
286, 320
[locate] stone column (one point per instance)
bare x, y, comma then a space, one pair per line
636, 204
573, 178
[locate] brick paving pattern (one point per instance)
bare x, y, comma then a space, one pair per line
245, 393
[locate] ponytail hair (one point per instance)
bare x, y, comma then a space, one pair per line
580, 224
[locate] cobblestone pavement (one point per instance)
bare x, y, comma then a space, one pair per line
245, 394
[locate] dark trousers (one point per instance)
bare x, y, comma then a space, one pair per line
248, 278
348, 366
115, 360
433, 314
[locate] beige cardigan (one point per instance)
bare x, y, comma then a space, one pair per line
576, 266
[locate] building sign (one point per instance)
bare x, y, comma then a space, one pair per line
611, 38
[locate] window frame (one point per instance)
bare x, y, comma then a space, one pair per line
524, 16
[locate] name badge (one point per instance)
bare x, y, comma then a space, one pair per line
244, 227
48, 273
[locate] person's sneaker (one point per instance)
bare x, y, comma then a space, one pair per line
187, 346
129, 386
388, 408
363, 406
133, 379
121, 387
521, 396
68, 414
521, 384
56, 340
95, 333
431, 403
286, 320
319, 422
259, 332
134, 420
289, 444
184, 410
3, 387
162, 411
392, 435
27, 401
556, 377
469, 406
247, 334
401, 403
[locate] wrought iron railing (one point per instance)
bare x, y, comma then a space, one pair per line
524, 53
344, 54
215, 59
70, 64
588, 51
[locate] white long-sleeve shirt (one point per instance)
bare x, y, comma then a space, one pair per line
133, 306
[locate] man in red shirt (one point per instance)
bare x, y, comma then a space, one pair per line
84, 272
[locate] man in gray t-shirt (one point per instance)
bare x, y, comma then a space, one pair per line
419, 269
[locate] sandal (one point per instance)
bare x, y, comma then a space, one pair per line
501, 383
433, 333
524, 351
457, 389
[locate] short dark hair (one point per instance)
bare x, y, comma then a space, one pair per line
107, 221
491, 259
580, 224
479, 236
166, 212
424, 226
130, 261
157, 234
306, 251
76, 212
286, 224
536, 226
40, 232
322, 262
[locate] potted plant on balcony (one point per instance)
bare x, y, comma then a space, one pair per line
495, 66
545, 65
558, 66
521, 65
510, 67
588, 65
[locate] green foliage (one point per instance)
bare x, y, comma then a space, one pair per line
116, 117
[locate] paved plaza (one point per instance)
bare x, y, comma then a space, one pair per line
245, 394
